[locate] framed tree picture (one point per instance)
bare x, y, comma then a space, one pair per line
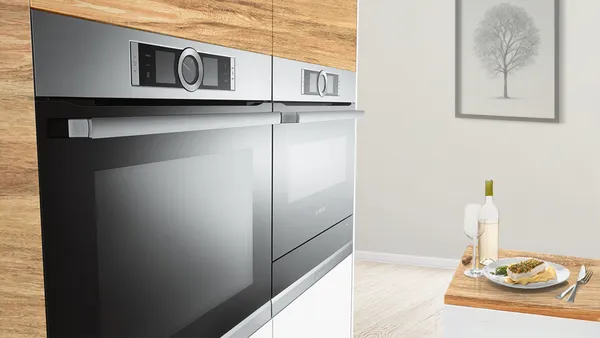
507, 59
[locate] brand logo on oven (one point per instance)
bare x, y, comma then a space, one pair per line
320, 210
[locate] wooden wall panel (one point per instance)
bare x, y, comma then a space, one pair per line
238, 24
22, 312
316, 31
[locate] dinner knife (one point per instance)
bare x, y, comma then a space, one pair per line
579, 278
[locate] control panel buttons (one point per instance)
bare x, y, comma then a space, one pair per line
187, 69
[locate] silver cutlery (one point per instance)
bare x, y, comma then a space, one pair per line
583, 278
562, 295
579, 278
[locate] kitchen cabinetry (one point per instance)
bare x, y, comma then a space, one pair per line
21, 278
316, 31
245, 25
264, 332
323, 311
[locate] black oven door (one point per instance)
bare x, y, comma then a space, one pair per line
313, 171
156, 219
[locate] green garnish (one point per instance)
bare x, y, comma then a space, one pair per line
501, 271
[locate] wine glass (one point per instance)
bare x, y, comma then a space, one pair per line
473, 230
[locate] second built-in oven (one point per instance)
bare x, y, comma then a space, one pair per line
313, 174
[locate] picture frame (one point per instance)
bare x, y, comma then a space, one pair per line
502, 79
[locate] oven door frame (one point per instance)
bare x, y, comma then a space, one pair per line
296, 222
76, 138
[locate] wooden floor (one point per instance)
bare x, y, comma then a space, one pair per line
395, 301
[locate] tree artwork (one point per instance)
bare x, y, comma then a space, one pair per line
506, 40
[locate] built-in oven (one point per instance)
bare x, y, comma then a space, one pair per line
313, 173
155, 159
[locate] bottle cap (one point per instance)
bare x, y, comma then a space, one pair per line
489, 188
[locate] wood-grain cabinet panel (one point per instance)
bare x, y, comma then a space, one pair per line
245, 25
22, 312
316, 31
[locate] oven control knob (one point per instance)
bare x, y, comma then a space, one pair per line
322, 83
190, 69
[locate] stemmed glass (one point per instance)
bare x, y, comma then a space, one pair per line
473, 229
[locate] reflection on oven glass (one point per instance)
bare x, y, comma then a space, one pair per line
315, 166
175, 240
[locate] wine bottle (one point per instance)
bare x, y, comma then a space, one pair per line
488, 219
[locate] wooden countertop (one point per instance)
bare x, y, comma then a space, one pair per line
481, 293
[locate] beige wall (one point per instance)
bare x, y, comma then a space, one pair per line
418, 165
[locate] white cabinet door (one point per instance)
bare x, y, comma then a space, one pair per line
323, 311
264, 332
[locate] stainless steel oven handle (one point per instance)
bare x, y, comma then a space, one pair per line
318, 116
109, 127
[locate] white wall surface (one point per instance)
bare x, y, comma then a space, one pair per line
418, 165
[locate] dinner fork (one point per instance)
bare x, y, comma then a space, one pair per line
585, 280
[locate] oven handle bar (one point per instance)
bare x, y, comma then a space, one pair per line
319, 116
110, 127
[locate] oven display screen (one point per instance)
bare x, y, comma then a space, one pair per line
165, 70
313, 82
331, 84
211, 72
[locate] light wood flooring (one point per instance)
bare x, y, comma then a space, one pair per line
396, 301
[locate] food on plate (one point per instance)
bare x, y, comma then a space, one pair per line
529, 271
500, 271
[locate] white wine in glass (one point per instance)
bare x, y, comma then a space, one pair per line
473, 229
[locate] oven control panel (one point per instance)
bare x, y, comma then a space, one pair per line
159, 66
320, 83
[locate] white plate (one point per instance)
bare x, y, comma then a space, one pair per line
562, 274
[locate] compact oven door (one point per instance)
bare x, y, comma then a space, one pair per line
156, 219
313, 171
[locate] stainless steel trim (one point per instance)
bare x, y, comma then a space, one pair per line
85, 59
286, 84
135, 75
251, 324
287, 296
79, 128
318, 116
109, 127
185, 53
324, 75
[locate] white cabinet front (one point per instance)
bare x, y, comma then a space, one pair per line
323, 311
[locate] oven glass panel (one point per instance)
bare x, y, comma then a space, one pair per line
322, 160
169, 251
313, 180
